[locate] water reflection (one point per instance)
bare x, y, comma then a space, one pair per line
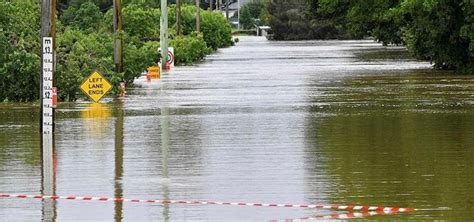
119, 141
324, 126
413, 149
96, 117
165, 140
48, 180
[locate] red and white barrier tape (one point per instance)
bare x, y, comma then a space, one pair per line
199, 202
344, 216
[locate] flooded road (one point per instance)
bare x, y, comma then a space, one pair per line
328, 122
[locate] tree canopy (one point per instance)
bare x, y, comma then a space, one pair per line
85, 42
441, 31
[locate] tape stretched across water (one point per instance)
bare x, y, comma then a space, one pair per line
200, 202
344, 216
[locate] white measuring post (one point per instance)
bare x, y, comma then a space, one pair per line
47, 90
47, 114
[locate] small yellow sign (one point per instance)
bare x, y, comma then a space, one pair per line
154, 72
96, 86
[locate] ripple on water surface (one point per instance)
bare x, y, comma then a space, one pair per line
343, 122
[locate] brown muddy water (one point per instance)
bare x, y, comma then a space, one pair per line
329, 122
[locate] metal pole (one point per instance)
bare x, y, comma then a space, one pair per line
178, 17
198, 16
164, 33
118, 47
238, 14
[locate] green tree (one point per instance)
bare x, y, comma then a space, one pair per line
190, 48
141, 22
84, 43
364, 16
440, 31
216, 31
78, 55
287, 19
246, 19
104, 5
87, 17
19, 55
251, 13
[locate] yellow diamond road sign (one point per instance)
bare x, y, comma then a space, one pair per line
96, 86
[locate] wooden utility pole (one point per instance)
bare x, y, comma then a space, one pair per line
211, 5
178, 17
218, 5
227, 9
48, 18
198, 16
118, 46
164, 33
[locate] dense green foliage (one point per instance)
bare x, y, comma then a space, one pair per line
441, 31
85, 43
217, 32
141, 22
19, 51
287, 19
253, 13
79, 54
189, 49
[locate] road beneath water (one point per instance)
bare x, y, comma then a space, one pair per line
329, 122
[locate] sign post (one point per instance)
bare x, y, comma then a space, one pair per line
170, 59
96, 86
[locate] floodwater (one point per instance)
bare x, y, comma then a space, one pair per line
328, 122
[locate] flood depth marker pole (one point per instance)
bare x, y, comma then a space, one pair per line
48, 23
48, 33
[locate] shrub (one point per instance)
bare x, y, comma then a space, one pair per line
140, 22
78, 55
189, 49
217, 32
138, 57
